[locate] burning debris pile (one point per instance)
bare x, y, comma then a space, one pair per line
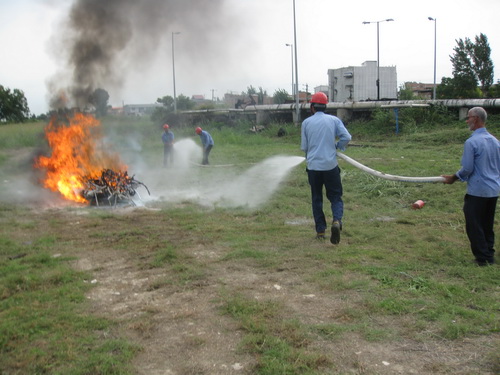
80, 167
111, 186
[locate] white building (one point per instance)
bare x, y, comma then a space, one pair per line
359, 83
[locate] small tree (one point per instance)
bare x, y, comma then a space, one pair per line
280, 96
446, 89
464, 79
250, 91
184, 103
457, 88
160, 114
167, 101
483, 65
471, 64
494, 91
13, 105
405, 92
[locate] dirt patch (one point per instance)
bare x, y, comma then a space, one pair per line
180, 331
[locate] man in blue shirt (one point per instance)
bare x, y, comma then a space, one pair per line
481, 170
207, 143
168, 145
319, 136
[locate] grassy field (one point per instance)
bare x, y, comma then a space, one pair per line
399, 275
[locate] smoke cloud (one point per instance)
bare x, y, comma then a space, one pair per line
100, 43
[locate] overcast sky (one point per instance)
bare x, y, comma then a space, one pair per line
243, 43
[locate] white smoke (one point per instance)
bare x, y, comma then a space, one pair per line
216, 185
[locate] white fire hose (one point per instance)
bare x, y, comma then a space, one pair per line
386, 176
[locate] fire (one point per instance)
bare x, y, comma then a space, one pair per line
77, 155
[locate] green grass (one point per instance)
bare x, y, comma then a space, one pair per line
43, 328
281, 344
408, 267
20, 135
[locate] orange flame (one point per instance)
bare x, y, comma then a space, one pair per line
77, 155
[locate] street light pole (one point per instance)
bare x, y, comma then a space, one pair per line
378, 51
297, 109
173, 69
435, 43
291, 55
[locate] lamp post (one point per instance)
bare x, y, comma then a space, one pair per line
435, 42
378, 51
173, 68
297, 109
291, 55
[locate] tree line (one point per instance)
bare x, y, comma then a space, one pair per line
14, 105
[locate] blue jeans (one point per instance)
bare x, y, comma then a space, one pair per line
333, 185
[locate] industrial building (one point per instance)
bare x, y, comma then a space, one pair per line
359, 83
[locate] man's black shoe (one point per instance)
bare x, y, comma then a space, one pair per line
335, 237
